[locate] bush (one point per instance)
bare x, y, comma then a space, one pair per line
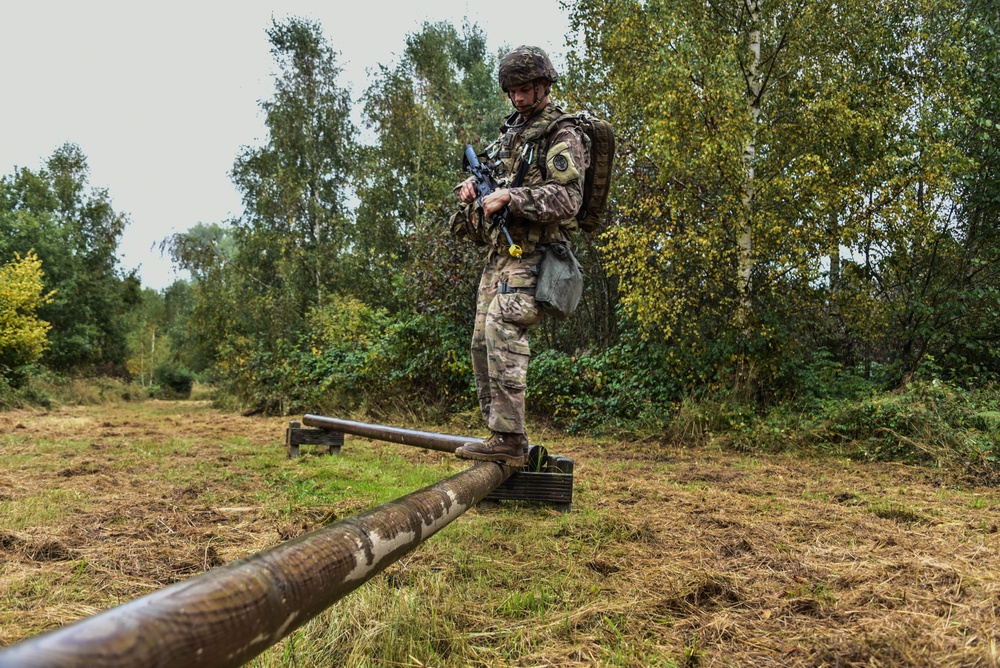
923, 422
353, 357
23, 336
597, 391
421, 365
927, 422
45, 388
413, 364
174, 380
13, 394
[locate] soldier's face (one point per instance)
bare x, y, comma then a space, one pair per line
523, 96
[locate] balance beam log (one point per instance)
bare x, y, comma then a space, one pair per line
421, 439
226, 616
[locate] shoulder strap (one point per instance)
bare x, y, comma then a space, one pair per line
563, 120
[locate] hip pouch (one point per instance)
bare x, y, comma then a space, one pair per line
560, 282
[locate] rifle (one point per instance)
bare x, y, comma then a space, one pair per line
486, 184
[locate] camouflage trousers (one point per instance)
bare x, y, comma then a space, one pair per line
505, 309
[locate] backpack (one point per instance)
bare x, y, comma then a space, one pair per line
597, 181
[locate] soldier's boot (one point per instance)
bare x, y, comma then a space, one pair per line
505, 448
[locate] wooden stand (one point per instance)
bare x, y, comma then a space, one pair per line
297, 435
547, 479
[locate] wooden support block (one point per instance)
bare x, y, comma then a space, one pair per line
297, 435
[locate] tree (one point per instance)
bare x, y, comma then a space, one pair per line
210, 310
969, 340
294, 226
423, 110
160, 334
22, 333
257, 278
941, 283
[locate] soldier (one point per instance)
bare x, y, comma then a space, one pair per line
540, 160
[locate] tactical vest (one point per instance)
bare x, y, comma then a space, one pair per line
522, 148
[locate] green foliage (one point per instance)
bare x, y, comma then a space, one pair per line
440, 96
624, 387
22, 333
574, 393
931, 422
792, 236
294, 228
208, 311
47, 389
418, 365
352, 358
925, 422
185, 346
422, 356
829, 170
174, 380
258, 276
74, 231
20, 391
823, 378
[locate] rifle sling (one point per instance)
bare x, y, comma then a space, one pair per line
522, 169
527, 157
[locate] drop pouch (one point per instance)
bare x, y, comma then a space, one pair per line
560, 282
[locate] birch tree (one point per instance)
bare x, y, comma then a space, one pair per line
294, 186
760, 137
441, 95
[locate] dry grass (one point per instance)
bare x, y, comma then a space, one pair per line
673, 557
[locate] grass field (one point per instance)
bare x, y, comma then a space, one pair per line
672, 556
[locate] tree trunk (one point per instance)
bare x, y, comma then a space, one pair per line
749, 155
833, 232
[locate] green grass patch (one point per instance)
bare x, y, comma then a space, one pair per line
39, 509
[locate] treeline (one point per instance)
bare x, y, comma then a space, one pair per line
67, 308
58, 238
805, 207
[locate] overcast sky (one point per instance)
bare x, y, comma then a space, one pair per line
160, 96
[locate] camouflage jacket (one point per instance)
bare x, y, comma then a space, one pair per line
544, 206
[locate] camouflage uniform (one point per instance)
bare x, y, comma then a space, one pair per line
542, 211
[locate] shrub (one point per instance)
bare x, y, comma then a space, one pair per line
174, 380
420, 365
924, 422
596, 391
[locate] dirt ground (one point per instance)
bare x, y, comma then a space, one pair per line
712, 557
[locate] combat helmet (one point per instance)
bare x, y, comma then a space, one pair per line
524, 64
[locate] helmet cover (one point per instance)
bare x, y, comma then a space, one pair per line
525, 64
